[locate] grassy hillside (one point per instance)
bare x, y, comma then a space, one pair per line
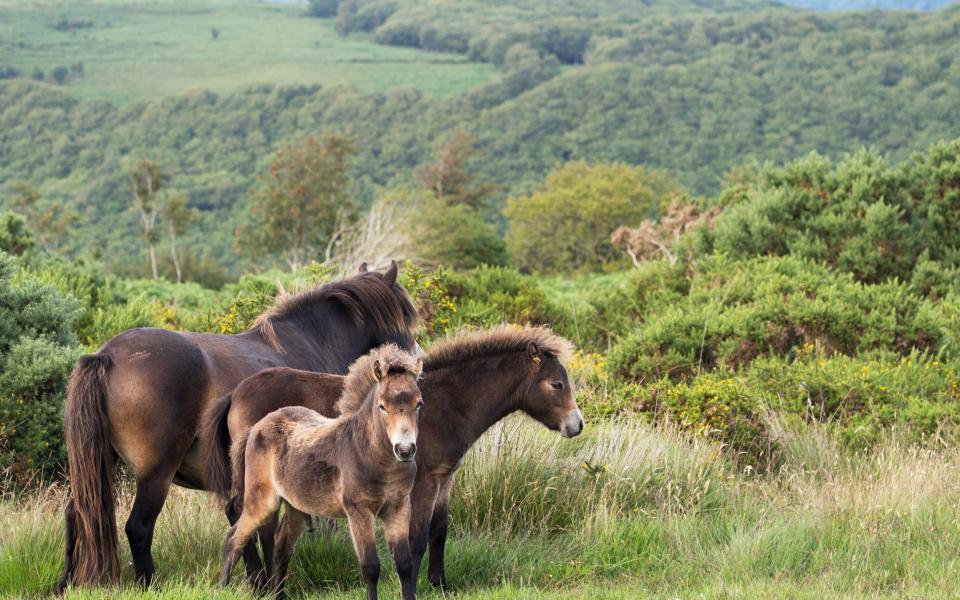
145, 50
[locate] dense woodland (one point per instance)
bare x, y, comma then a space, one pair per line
694, 93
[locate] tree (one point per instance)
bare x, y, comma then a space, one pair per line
177, 217
49, 221
303, 203
323, 8
60, 74
147, 179
566, 224
449, 178
525, 68
15, 237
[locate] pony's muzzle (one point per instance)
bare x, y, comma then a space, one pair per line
572, 424
405, 452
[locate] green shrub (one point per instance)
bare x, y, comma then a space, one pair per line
490, 295
859, 215
37, 350
566, 224
456, 236
738, 311
862, 396
15, 238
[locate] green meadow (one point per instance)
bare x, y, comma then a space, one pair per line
142, 50
624, 511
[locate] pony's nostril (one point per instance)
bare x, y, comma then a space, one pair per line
404, 451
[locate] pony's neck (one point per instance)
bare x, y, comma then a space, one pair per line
493, 390
321, 338
367, 431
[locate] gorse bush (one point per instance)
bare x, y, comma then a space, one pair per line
738, 311
490, 295
859, 215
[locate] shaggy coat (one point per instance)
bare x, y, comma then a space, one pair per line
352, 466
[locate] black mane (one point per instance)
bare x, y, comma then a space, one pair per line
365, 297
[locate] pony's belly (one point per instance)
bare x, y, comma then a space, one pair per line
190, 472
315, 492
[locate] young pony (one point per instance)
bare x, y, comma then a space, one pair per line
359, 465
469, 382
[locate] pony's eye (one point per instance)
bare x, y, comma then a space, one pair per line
383, 408
557, 385
419, 405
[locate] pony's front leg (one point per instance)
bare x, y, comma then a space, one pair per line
257, 573
422, 499
438, 536
364, 535
396, 527
257, 510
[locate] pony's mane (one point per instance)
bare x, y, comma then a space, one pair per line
502, 339
365, 296
360, 379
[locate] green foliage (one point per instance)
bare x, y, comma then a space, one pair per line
738, 311
298, 206
37, 351
15, 238
566, 224
490, 295
429, 291
859, 215
456, 235
653, 90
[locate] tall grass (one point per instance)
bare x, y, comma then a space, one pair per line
626, 510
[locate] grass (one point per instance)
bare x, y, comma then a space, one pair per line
624, 511
138, 49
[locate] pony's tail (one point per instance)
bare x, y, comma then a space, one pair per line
215, 448
238, 456
91, 461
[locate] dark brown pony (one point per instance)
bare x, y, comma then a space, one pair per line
359, 466
469, 382
141, 395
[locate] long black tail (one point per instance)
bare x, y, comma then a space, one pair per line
91, 460
215, 448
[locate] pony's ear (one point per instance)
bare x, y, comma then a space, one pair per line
390, 277
378, 370
534, 352
363, 268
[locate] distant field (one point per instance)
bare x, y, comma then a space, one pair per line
139, 50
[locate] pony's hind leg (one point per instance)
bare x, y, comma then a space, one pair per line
257, 573
260, 503
151, 495
291, 526
70, 533
436, 573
